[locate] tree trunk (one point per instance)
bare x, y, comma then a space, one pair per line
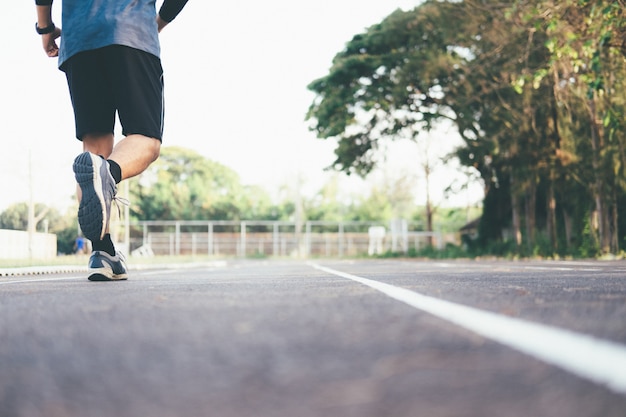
599, 184
568, 223
530, 207
551, 223
429, 206
517, 226
614, 224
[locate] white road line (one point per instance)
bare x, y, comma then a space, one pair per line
554, 268
600, 361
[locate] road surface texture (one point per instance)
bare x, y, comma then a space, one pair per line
379, 338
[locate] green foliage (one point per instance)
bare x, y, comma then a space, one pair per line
328, 204
183, 185
376, 87
66, 238
536, 90
390, 199
15, 217
450, 251
452, 219
589, 247
376, 207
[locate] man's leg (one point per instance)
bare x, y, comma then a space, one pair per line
99, 144
96, 177
134, 154
97, 189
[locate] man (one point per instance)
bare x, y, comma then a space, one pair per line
110, 53
79, 245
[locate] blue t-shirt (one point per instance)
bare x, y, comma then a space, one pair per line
93, 24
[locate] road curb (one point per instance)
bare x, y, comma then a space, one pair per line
41, 270
66, 269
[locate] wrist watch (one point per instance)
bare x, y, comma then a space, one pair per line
44, 31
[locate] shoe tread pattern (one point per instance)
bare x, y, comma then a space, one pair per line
90, 216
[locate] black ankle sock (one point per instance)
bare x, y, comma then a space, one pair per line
116, 171
104, 245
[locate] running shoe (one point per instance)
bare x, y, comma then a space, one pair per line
104, 267
98, 190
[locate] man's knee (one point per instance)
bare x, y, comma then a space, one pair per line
148, 147
155, 149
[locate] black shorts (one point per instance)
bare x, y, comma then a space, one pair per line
116, 78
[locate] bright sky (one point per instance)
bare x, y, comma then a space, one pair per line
235, 76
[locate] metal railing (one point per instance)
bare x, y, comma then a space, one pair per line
275, 238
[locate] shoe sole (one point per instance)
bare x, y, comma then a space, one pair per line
105, 271
101, 277
87, 174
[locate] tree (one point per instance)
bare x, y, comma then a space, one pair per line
65, 227
385, 85
15, 217
183, 185
412, 71
586, 40
536, 92
390, 198
328, 204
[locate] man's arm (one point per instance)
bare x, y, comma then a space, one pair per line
168, 11
44, 23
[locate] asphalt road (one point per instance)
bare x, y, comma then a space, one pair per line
380, 338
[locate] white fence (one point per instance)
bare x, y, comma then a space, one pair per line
275, 238
16, 244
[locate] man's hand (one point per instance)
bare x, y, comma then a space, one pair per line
161, 23
49, 43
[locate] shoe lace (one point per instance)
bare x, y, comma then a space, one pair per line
121, 256
120, 201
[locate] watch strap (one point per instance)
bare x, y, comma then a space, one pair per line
44, 31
